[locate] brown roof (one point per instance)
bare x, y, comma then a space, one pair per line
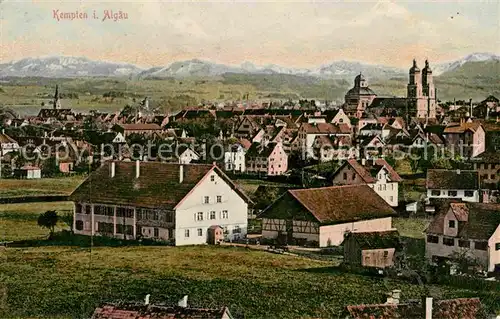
478, 220
140, 126
452, 179
337, 204
460, 308
326, 128
134, 311
376, 239
368, 172
157, 186
4, 138
454, 128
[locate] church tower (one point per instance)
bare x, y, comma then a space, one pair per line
57, 101
429, 90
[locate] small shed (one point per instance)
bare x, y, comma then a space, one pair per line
28, 172
371, 249
215, 234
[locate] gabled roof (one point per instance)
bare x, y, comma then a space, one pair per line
259, 150
4, 138
325, 128
369, 172
458, 128
452, 179
335, 204
376, 240
158, 184
479, 220
136, 311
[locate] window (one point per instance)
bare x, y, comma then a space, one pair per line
345, 176
432, 239
236, 230
225, 214
206, 200
88, 209
124, 212
200, 232
199, 216
386, 253
492, 176
124, 229
469, 193
156, 232
212, 215
448, 241
383, 187
497, 246
353, 176
186, 233
391, 198
464, 243
451, 224
219, 199
212, 178
452, 193
435, 193
79, 225
481, 245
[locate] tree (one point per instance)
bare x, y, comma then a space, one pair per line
48, 220
67, 218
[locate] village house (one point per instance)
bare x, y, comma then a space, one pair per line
161, 201
308, 132
472, 228
28, 172
270, 159
371, 249
453, 184
488, 167
234, 158
7, 144
325, 215
339, 117
376, 173
467, 138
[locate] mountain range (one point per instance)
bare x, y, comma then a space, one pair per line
65, 66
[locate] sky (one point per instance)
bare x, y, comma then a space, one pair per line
293, 34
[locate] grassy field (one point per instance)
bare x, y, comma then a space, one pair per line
19, 221
411, 227
71, 281
38, 187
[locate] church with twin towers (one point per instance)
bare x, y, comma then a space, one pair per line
420, 100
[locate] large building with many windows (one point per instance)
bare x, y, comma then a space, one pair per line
180, 203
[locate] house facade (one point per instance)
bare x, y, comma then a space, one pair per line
234, 158
323, 216
161, 201
468, 138
453, 184
270, 159
376, 173
371, 249
308, 132
469, 228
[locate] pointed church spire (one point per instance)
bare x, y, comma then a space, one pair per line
57, 102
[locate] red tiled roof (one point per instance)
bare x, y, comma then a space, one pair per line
336, 204
461, 127
140, 126
157, 186
326, 128
133, 311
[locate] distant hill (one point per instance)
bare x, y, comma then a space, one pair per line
63, 66
475, 70
471, 58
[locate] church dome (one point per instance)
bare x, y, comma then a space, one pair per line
355, 91
359, 78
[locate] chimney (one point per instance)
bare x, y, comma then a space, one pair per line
112, 169
137, 169
183, 302
428, 308
181, 173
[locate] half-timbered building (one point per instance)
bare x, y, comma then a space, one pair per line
322, 216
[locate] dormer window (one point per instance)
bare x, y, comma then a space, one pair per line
451, 224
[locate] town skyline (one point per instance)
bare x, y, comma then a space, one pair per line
298, 35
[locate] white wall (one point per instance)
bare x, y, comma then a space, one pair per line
334, 234
460, 195
235, 160
185, 213
439, 249
494, 255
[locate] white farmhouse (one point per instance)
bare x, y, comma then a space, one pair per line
376, 173
162, 201
325, 215
453, 184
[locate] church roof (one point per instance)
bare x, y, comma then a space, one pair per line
360, 91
